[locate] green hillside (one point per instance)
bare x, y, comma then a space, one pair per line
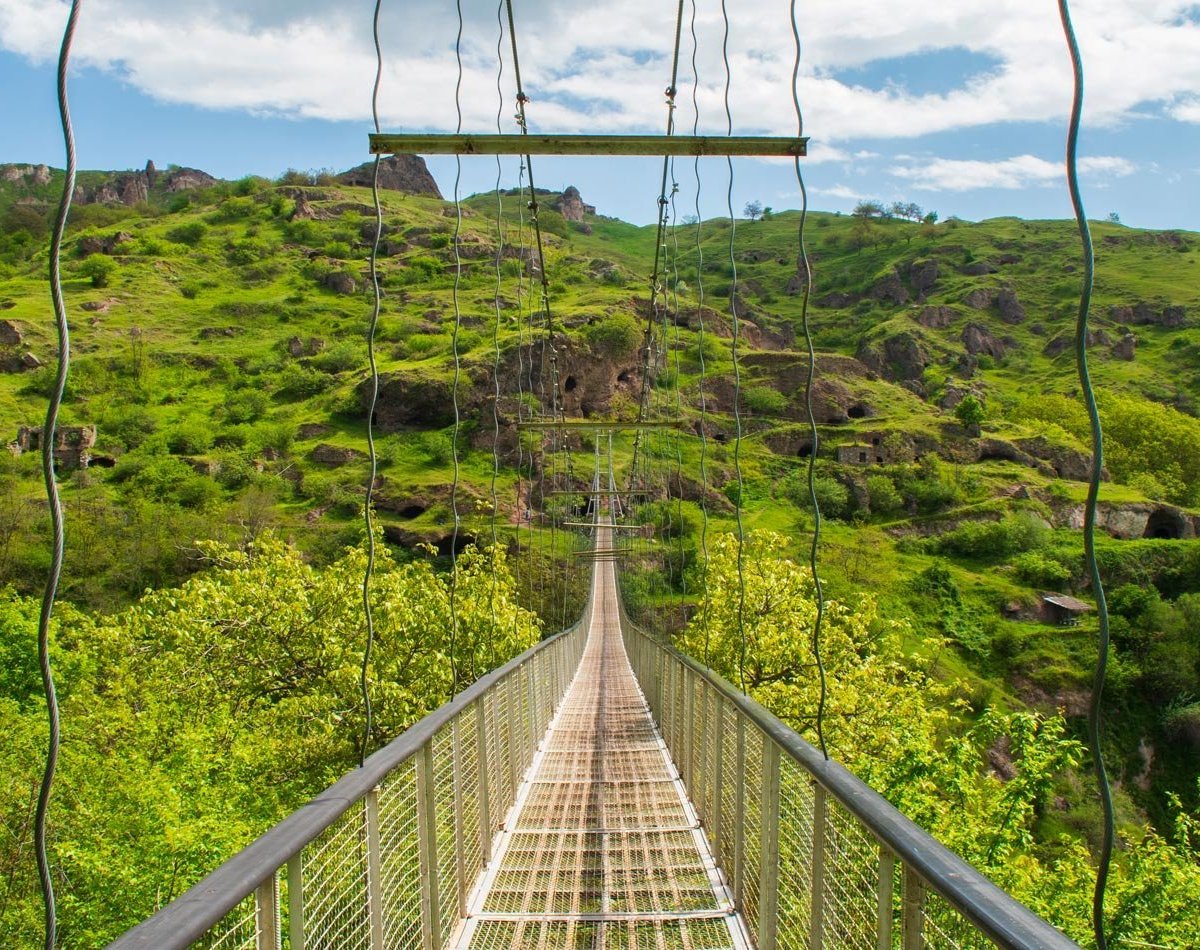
219, 349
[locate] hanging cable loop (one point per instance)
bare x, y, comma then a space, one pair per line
58, 528
1095, 708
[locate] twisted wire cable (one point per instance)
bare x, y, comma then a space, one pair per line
655, 285
372, 457
457, 370
818, 589
700, 344
496, 336
1095, 720
678, 436
737, 372
58, 528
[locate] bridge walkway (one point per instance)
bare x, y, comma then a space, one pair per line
602, 848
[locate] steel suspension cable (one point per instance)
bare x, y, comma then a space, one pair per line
700, 342
58, 528
496, 339
660, 231
677, 436
1095, 719
814, 435
372, 457
737, 372
457, 370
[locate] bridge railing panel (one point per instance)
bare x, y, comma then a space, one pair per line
386, 856
813, 857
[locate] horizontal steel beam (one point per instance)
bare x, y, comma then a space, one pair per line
593, 424
443, 143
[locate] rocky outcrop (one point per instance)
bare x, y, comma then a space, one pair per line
1066, 341
890, 289
407, 173
407, 400
10, 333
334, 456
103, 243
186, 179
835, 300
979, 298
1170, 315
979, 339
571, 205
937, 318
1132, 520
979, 268
1011, 309
1125, 348
899, 358
1068, 463
28, 174
922, 275
340, 282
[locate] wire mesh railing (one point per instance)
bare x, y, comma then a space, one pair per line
814, 857
386, 856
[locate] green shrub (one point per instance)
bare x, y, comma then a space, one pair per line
885, 499
190, 438
1037, 570
98, 269
616, 336
764, 399
190, 234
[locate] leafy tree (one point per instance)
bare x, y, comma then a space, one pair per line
868, 209
969, 412
753, 210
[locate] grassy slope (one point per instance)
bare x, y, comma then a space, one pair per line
187, 337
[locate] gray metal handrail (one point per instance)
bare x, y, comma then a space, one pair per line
527, 689
710, 729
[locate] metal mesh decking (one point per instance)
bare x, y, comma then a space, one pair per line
602, 848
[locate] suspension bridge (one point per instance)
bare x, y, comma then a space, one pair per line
601, 790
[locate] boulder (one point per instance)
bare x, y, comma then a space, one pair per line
979, 268
29, 361
10, 333
889, 289
334, 455
835, 300
979, 339
1067, 463
340, 283
1125, 348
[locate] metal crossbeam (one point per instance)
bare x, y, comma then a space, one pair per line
593, 424
442, 143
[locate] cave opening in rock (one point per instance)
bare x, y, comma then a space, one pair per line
412, 511
570, 384
1166, 524
805, 451
857, 411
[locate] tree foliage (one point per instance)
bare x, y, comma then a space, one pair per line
894, 721
203, 714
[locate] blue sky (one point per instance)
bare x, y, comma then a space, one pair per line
961, 110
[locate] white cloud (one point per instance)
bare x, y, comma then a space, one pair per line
1021, 171
603, 65
837, 191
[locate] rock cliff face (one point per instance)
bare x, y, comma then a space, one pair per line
407, 173
571, 206
130, 188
